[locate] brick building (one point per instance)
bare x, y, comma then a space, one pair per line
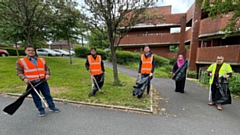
202, 34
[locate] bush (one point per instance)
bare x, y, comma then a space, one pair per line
233, 81
124, 57
234, 85
83, 52
12, 51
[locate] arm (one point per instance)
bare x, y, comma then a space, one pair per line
102, 65
175, 67
153, 65
20, 72
140, 66
87, 64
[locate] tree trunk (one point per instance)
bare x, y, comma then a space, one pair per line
82, 42
17, 49
114, 63
70, 56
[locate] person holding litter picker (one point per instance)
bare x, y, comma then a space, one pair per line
34, 70
95, 66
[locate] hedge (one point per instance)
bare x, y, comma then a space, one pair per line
12, 51
83, 52
124, 57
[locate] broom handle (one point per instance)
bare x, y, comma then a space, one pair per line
44, 103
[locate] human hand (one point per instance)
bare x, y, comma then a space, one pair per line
225, 76
26, 80
139, 74
47, 77
210, 74
150, 74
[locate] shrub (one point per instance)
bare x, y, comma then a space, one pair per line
83, 52
12, 51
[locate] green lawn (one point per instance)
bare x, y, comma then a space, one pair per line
73, 82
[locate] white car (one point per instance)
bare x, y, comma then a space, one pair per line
63, 52
47, 52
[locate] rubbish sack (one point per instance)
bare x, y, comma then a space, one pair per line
223, 95
181, 72
139, 87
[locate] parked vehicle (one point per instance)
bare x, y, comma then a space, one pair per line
47, 52
63, 52
4, 53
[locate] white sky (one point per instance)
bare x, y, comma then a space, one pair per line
178, 6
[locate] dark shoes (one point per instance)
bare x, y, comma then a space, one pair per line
55, 110
41, 113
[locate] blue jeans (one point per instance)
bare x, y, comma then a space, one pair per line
149, 82
44, 89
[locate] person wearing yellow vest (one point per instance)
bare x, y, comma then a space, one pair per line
34, 69
95, 66
216, 70
147, 66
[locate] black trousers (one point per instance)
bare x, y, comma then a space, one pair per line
100, 81
180, 85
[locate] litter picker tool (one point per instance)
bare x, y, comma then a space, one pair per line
94, 79
12, 108
44, 103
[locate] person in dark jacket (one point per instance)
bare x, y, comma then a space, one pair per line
180, 85
95, 66
146, 66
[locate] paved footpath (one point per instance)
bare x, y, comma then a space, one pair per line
185, 114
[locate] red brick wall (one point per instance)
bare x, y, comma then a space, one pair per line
148, 38
188, 34
209, 25
209, 54
158, 50
190, 12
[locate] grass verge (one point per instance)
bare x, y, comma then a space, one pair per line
73, 82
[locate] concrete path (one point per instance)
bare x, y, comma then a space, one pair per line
186, 114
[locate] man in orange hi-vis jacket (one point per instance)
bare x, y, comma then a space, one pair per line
95, 66
32, 70
146, 66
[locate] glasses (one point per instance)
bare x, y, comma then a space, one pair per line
219, 59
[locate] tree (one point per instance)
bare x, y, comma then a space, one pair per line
98, 39
218, 8
117, 17
67, 28
32, 17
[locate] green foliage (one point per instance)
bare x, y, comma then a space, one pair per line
123, 57
161, 61
83, 52
191, 74
98, 39
12, 51
218, 8
233, 81
73, 82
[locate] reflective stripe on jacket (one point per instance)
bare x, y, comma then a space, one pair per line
146, 67
31, 71
95, 65
224, 70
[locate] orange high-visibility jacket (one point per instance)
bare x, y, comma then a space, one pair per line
31, 71
146, 67
95, 65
